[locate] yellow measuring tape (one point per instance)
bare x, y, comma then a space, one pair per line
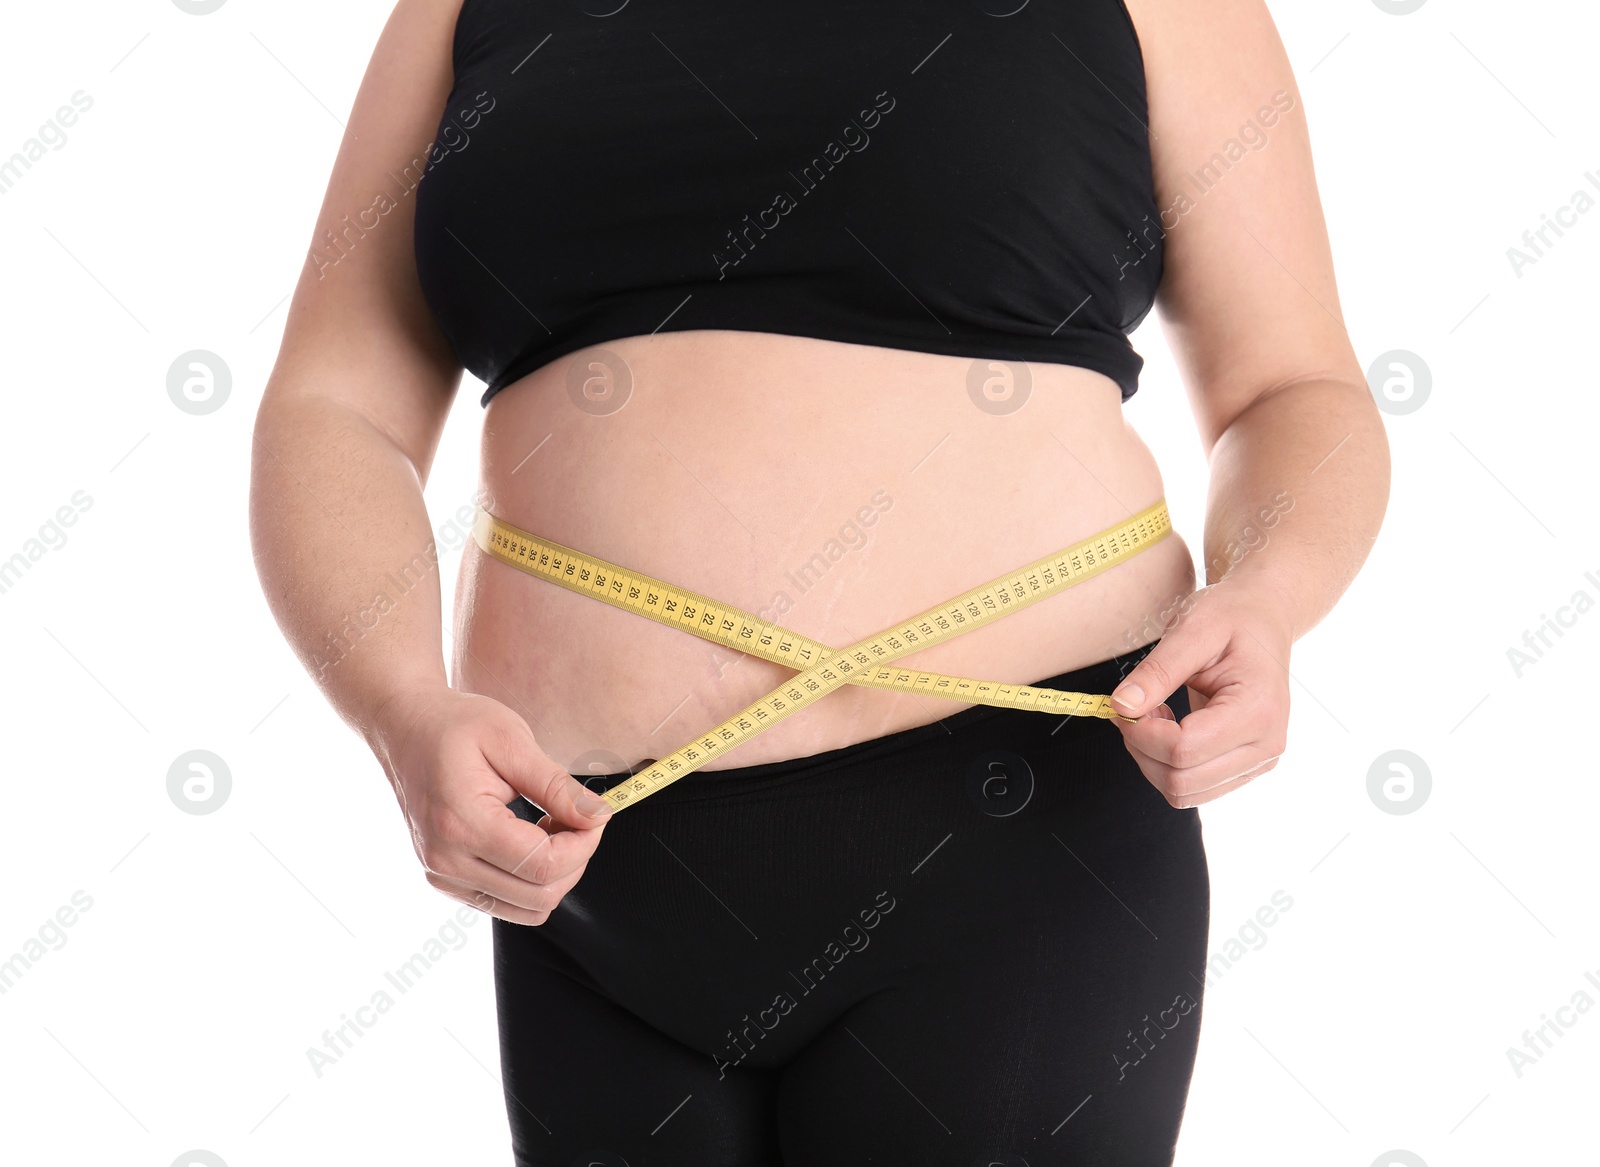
824, 669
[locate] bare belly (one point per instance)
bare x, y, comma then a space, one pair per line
710, 478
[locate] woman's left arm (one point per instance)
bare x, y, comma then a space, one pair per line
1298, 454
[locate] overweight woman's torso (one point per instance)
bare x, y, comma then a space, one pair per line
708, 478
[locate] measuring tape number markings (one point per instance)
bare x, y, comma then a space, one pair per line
824, 669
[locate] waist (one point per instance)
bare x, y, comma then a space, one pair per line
835, 488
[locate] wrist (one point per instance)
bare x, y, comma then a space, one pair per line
402, 705
1264, 593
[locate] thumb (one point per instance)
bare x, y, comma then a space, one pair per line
528, 770
1171, 661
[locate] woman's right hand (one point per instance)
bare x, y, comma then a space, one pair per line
455, 761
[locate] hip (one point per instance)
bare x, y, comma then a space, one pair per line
1000, 839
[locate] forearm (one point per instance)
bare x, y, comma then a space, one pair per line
346, 557
1298, 489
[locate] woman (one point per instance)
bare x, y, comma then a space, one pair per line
821, 312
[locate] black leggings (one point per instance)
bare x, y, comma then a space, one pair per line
975, 942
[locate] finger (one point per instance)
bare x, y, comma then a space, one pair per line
1165, 774
491, 906
1184, 651
1212, 793
514, 914
517, 758
539, 853
1228, 721
488, 882
1190, 787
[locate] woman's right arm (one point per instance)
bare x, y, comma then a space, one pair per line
344, 438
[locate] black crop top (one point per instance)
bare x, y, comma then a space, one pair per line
904, 173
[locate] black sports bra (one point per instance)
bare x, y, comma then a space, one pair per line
937, 176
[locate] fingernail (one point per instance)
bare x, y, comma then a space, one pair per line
1128, 696
593, 805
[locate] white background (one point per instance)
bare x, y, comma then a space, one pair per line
177, 1014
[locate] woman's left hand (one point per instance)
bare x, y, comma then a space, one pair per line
1231, 647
